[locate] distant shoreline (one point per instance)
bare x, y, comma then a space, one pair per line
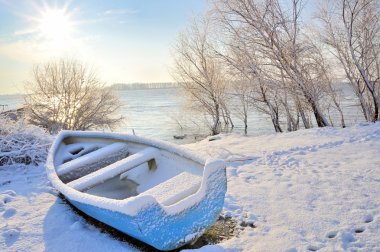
137, 86
125, 86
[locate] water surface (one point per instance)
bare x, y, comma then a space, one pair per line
159, 113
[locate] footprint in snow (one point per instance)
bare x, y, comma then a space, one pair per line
331, 234
348, 240
11, 236
9, 213
368, 219
7, 196
359, 230
348, 237
6, 200
312, 248
291, 250
5, 182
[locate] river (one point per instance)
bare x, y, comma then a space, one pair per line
158, 113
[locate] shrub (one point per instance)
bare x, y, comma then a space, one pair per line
22, 143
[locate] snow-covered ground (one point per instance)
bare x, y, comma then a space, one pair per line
315, 189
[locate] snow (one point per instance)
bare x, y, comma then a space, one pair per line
175, 189
114, 169
40, 220
83, 161
316, 189
22, 143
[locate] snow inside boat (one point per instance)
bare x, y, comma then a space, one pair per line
154, 191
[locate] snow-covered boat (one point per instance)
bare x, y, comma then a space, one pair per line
154, 191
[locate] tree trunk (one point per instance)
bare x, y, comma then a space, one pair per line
321, 120
215, 127
245, 125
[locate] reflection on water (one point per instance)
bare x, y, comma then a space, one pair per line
157, 113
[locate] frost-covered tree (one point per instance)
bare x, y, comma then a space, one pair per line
274, 29
249, 84
65, 94
351, 28
201, 74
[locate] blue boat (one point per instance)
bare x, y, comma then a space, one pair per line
154, 191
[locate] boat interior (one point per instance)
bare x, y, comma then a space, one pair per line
118, 169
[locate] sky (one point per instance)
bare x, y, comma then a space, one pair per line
125, 41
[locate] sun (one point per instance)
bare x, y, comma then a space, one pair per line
55, 26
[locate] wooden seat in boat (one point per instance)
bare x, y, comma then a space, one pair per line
175, 189
83, 163
114, 169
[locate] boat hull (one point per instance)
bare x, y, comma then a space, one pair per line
155, 227
163, 226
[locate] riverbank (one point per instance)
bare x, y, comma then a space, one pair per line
316, 189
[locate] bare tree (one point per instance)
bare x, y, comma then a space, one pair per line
327, 82
243, 93
249, 83
276, 33
362, 24
352, 30
65, 94
201, 74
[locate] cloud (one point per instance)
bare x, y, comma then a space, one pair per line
26, 31
120, 12
33, 50
22, 51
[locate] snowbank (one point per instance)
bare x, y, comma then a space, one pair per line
310, 190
